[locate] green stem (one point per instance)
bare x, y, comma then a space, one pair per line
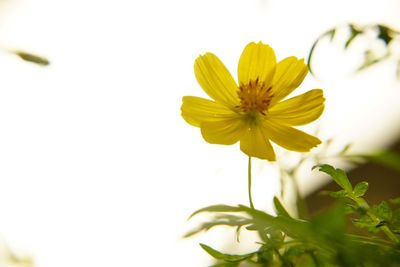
385, 229
249, 183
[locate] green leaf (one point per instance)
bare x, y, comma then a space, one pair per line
32, 58
395, 222
225, 257
294, 251
383, 211
349, 209
216, 208
338, 175
345, 149
252, 227
339, 194
276, 237
330, 33
301, 256
354, 32
365, 222
265, 255
385, 34
331, 222
370, 58
280, 210
292, 227
360, 189
221, 220
306, 260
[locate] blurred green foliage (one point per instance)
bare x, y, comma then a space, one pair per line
349, 33
324, 240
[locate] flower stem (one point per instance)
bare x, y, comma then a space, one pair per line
249, 183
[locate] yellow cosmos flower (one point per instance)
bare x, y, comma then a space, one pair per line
252, 111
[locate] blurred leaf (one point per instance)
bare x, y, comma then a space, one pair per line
350, 208
32, 58
300, 256
339, 194
217, 208
386, 158
276, 238
265, 255
221, 220
395, 201
360, 189
354, 32
225, 257
370, 59
331, 222
383, 211
280, 210
365, 222
345, 149
338, 175
330, 34
294, 252
306, 260
385, 34
292, 227
395, 222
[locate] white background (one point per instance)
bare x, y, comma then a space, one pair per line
97, 168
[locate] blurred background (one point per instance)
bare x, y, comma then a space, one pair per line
97, 168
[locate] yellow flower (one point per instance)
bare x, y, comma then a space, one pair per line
252, 111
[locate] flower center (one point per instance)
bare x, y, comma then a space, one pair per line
254, 97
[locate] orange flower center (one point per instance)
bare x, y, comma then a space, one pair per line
254, 97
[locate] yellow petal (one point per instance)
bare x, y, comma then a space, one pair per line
196, 110
299, 110
257, 62
255, 143
289, 137
224, 131
216, 80
289, 74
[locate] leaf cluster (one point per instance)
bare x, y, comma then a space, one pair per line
388, 36
324, 240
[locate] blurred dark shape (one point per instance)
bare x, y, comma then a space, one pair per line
32, 58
